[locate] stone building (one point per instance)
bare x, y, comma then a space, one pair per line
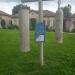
6, 17
49, 18
70, 23
15, 19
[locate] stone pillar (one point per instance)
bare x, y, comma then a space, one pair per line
24, 29
59, 26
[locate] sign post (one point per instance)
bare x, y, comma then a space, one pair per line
40, 38
40, 2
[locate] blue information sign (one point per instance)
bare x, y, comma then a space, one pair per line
40, 32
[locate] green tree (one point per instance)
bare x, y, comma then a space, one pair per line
67, 14
16, 9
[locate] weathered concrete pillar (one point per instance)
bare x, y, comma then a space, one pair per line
59, 26
24, 29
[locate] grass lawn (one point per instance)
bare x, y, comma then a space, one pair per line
59, 58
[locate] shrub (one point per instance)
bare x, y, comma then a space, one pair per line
32, 24
49, 29
73, 30
13, 27
16, 27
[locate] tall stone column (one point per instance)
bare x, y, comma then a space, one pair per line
59, 26
24, 29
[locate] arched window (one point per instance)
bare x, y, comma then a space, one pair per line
3, 23
32, 23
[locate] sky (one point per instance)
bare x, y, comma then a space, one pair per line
7, 5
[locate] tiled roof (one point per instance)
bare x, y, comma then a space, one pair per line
46, 13
3, 13
34, 11
15, 16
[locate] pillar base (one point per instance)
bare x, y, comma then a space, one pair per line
25, 51
60, 41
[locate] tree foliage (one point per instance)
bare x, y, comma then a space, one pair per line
16, 9
67, 14
67, 11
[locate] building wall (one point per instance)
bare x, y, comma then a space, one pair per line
15, 21
33, 15
70, 24
6, 18
73, 23
49, 21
